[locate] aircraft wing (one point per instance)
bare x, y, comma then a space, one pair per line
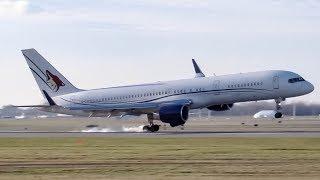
124, 107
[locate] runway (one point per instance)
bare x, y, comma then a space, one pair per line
195, 127
23, 134
222, 147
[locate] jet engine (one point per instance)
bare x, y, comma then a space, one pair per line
174, 114
221, 107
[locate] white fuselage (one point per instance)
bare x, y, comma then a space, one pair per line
202, 92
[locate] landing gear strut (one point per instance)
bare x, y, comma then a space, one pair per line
278, 107
152, 127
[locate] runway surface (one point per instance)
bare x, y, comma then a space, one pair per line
166, 134
195, 127
100, 148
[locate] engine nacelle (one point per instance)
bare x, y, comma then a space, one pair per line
173, 114
221, 107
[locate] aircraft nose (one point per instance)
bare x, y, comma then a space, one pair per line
310, 87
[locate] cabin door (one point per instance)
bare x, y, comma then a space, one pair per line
276, 82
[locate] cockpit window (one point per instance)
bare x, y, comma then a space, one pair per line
294, 80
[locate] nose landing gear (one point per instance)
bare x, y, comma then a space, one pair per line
278, 115
279, 108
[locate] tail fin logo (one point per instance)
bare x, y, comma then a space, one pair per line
54, 81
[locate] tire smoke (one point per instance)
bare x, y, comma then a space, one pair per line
114, 129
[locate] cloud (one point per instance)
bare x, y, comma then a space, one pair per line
178, 3
10, 8
168, 15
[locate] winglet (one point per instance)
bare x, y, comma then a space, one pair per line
197, 69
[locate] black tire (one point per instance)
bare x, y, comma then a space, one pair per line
278, 115
145, 128
153, 128
156, 128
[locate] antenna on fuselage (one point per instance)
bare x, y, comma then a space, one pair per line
199, 73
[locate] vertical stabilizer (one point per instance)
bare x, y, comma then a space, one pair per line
47, 77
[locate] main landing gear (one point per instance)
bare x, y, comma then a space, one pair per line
279, 108
152, 127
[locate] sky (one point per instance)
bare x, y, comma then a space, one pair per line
103, 43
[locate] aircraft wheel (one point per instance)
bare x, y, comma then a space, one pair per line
156, 128
145, 128
153, 128
278, 115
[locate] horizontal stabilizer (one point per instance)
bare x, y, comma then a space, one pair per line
32, 106
49, 99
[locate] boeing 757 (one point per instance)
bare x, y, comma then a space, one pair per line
169, 102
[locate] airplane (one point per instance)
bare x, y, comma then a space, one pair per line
169, 102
